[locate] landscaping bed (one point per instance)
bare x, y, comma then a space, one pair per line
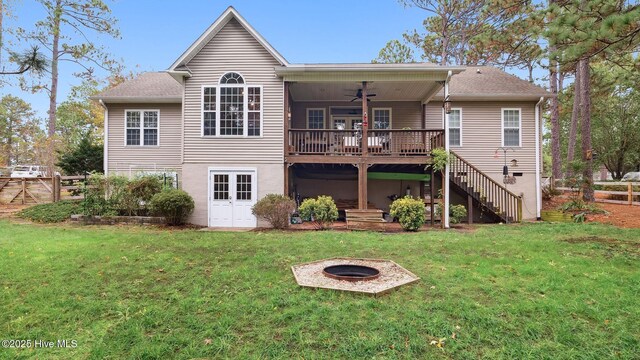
626, 216
112, 220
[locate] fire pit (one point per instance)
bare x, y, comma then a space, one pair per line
370, 276
350, 272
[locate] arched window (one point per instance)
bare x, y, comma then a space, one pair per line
231, 78
232, 108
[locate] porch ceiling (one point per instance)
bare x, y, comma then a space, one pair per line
384, 90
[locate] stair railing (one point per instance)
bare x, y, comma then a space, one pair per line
484, 189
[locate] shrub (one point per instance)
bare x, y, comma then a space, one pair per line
140, 191
119, 195
440, 158
321, 211
579, 205
105, 195
410, 213
457, 213
175, 205
275, 209
51, 213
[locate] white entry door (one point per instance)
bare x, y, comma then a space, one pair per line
232, 194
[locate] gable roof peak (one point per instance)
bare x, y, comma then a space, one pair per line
221, 21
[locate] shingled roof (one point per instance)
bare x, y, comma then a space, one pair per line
147, 87
475, 83
490, 83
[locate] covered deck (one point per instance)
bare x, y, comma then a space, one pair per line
360, 115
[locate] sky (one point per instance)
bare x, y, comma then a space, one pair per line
154, 33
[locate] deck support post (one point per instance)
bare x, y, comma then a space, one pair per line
286, 179
362, 186
433, 194
469, 209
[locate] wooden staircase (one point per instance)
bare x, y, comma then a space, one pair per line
484, 192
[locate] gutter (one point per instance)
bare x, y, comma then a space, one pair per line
364, 68
140, 99
538, 155
179, 75
106, 137
445, 211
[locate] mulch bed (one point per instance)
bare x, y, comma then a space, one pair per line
625, 216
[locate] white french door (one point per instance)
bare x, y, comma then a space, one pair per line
232, 193
346, 122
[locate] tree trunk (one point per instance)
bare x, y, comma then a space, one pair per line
445, 43
556, 161
575, 115
585, 97
560, 81
1, 28
55, 52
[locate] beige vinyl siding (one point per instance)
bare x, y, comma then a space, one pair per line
123, 159
482, 134
403, 113
233, 49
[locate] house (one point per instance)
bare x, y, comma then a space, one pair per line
236, 121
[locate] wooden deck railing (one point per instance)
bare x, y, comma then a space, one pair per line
350, 142
484, 189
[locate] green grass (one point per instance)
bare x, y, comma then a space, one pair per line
51, 212
566, 291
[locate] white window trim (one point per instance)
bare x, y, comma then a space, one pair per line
448, 119
373, 111
324, 118
244, 82
502, 110
142, 145
245, 129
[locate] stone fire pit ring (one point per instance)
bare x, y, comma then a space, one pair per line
369, 276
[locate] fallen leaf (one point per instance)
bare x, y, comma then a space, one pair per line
160, 270
207, 341
453, 336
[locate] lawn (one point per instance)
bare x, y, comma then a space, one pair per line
534, 291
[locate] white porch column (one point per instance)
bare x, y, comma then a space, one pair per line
445, 119
538, 159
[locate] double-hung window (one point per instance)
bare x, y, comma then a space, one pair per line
232, 108
455, 127
381, 119
142, 127
315, 118
511, 127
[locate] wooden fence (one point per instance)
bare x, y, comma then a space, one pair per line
40, 190
628, 193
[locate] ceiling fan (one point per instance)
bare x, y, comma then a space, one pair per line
359, 96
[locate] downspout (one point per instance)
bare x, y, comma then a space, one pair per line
538, 180
105, 164
447, 197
